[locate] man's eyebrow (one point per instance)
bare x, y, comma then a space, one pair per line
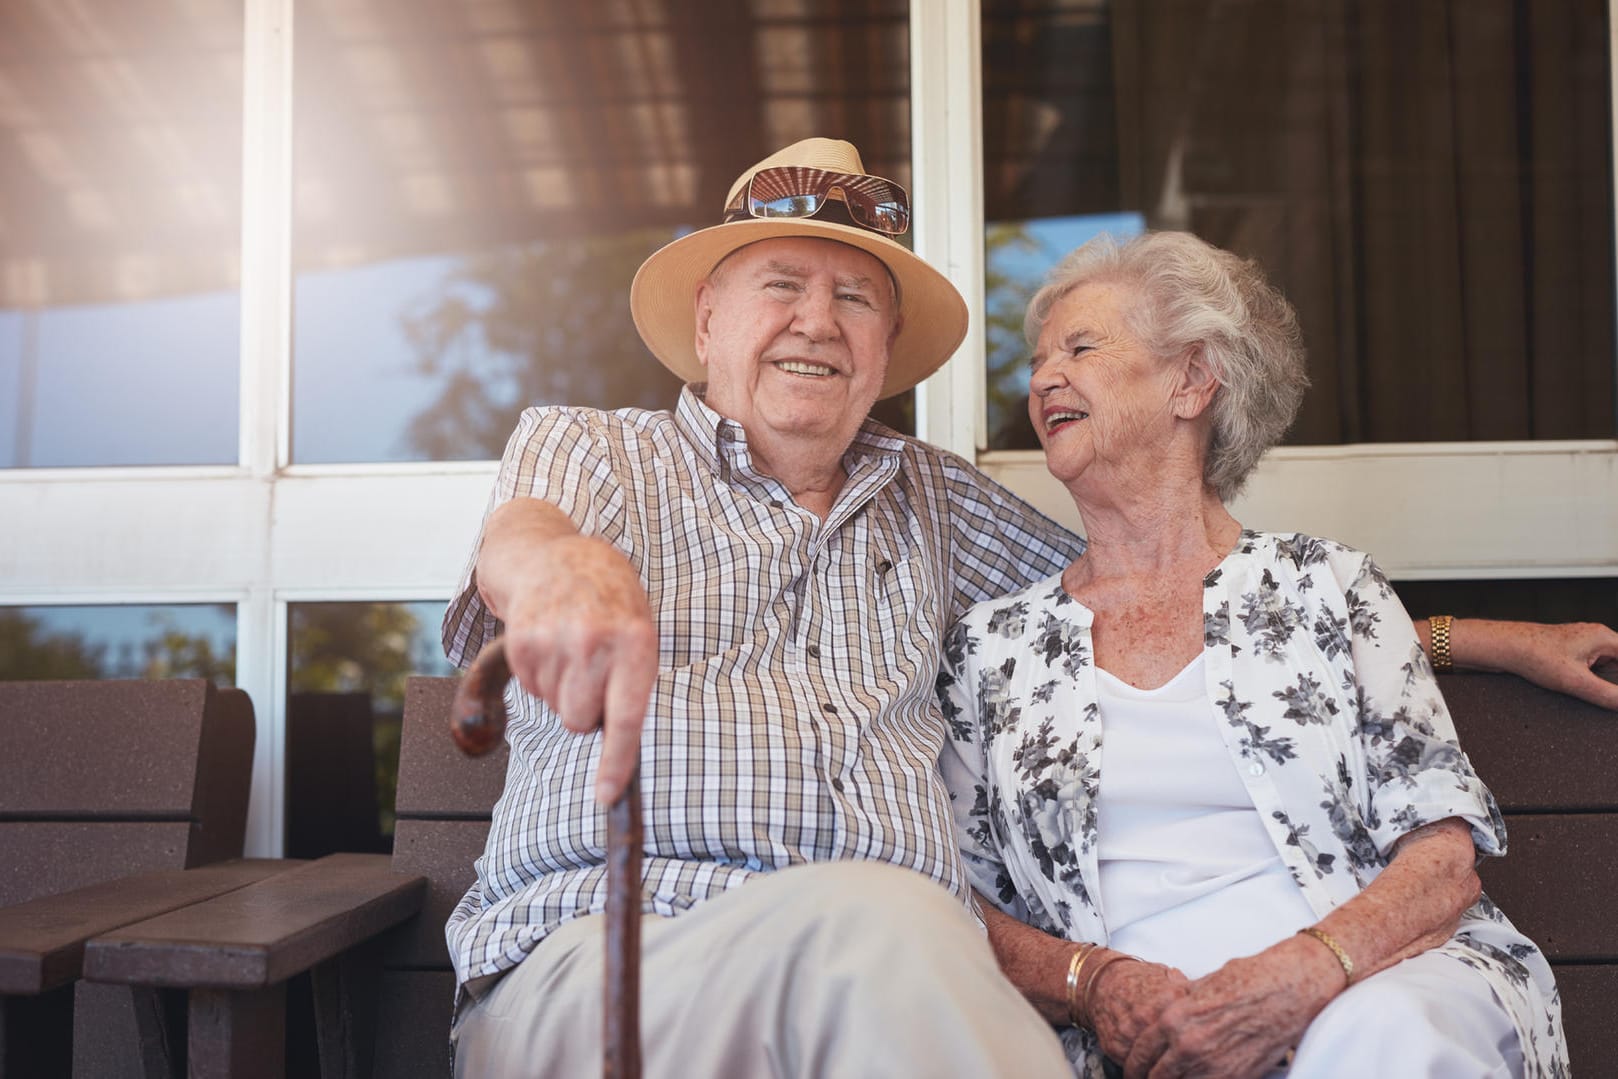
855, 281
785, 269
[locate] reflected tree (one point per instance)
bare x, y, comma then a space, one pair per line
363, 648
30, 651
352, 648
542, 323
177, 654
1007, 287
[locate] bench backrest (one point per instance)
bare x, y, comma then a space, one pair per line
103, 779
1551, 761
442, 812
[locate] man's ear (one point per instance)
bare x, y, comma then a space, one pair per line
1198, 384
704, 311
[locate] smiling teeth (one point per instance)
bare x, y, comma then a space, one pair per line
805, 368
1063, 417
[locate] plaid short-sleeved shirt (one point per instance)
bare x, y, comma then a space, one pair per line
794, 717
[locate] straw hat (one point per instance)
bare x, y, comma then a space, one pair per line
663, 297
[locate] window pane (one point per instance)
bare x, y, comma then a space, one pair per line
346, 680
477, 183
124, 641
120, 222
1430, 184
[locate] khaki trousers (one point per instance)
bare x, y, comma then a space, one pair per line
840, 969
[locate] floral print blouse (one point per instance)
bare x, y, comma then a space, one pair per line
1331, 714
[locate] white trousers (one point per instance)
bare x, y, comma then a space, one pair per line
1430, 1016
844, 969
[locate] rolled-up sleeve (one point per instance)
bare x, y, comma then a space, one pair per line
1416, 770
559, 455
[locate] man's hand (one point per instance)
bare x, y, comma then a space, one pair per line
579, 631
1571, 657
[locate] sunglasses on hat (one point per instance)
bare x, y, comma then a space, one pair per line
787, 191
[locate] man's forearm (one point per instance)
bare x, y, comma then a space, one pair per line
518, 550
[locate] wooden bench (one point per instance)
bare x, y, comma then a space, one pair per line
1552, 762
234, 954
108, 791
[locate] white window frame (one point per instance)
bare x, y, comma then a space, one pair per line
265, 533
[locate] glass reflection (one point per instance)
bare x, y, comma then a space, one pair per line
478, 183
1430, 184
123, 641
119, 319
347, 666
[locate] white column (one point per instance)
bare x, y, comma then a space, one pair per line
265, 381
946, 106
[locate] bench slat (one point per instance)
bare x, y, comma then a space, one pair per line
443, 852
1588, 991
1557, 881
42, 942
262, 934
1573, 761
45, 858
435, 778
115, 747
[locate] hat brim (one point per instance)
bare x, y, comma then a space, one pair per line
662, 299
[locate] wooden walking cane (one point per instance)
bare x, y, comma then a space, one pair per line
477, 723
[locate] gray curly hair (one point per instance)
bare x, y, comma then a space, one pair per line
1193, 294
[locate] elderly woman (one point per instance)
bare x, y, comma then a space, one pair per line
1207, 769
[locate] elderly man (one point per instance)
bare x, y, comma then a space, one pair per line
761, 580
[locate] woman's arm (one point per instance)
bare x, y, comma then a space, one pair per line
1567, 657
1241, 1019
1124, 1000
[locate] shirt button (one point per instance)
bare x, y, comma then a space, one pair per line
1255, 769
778, 505
837, 782
829, 708
814, 651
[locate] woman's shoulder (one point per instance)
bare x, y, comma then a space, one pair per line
1298, 554
1008, 615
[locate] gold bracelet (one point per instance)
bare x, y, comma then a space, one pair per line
1074, 965
1096, 973
1336, 949
1438, 626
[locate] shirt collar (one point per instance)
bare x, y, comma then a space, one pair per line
711, 434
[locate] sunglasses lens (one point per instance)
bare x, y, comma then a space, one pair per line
890, 217
786, 205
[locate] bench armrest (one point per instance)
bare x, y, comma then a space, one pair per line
42, 941
263, 934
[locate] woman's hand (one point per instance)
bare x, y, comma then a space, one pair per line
1242, 1019
1576, 658
1129, 997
